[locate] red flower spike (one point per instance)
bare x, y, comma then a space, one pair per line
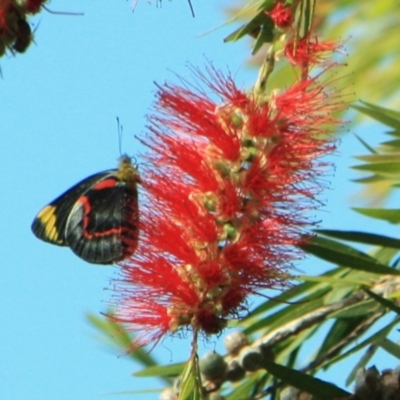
309, 51
226, 195
281, 15
6, 9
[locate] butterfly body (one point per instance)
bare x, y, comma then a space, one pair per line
97, 218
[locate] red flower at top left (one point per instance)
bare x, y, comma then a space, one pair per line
15, 31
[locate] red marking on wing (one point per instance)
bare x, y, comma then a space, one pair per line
105, 184
85, 221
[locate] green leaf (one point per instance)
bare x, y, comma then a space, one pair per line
394, 133
362, 237
307, 383
190, 387
385, 256
310, 291
265, 35
392, 143
290, 293
288, 351
306, 15
341, 254
388, 168
365, 144
376, 337
391, 347
391, 215
385, 302
116, 335
254, 24
349, 281
379, 158
384, 115
362, 362
171, 370
368, 179
249, 28
341, 332
245, 389
356, 310
288, 314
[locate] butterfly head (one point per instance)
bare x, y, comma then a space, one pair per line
127, 171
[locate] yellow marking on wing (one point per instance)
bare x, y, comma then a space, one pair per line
48, 219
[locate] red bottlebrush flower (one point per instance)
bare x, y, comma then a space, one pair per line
5, 9
227, 189
309, 51
281, 15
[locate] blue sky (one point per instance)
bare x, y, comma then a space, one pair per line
59, 103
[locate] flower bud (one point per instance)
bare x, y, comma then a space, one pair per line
212, 366
251, 359
235, 341
234, 371
168, 394
368, 384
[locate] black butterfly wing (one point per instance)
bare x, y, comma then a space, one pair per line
49, 225
102, 227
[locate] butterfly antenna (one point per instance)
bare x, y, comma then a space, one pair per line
191, 8
120, 132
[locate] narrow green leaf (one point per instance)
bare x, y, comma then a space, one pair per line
116, 335
379, 158
337, 247
395, 133
296, 291
377, 336
365, 144
384, 168
385, 256
260, 384
309, 291
349, 281
253, 25
391, 347
306, 15
245, 388
288, 314
362, 237
265, 35
341, 254
362, 362
369, 179
385, 302
356, 310
392, 143
339, 293
287, 352
391, 215
309, 384
191, 388
384, 115
340, 332
171, 370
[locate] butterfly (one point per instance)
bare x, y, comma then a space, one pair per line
98, 218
